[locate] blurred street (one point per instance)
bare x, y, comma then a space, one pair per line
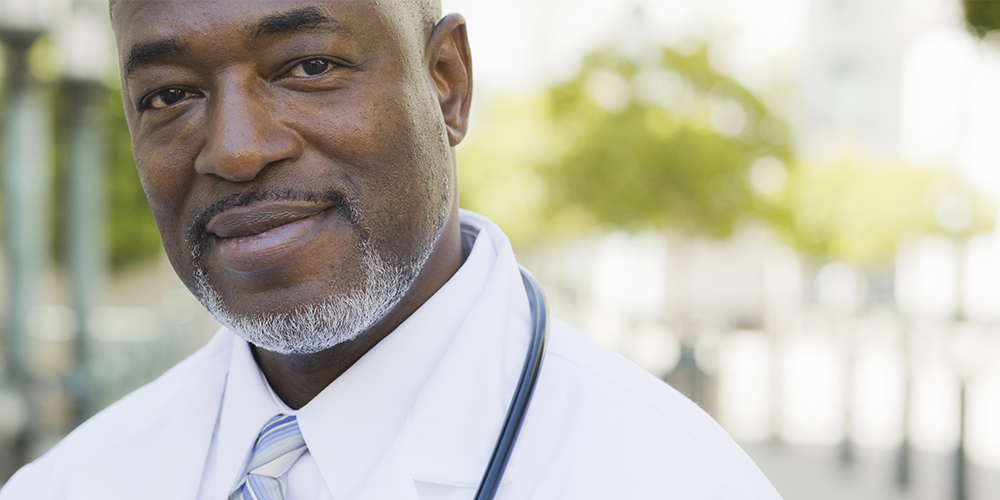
820, 473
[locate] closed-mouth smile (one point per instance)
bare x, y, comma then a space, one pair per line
262, 235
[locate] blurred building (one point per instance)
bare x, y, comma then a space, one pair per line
852, 72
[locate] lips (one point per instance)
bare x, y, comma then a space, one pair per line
265, 234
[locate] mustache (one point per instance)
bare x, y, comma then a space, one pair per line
197, 236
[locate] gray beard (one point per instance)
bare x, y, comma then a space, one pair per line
313, 328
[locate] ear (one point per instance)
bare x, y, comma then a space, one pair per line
449, 61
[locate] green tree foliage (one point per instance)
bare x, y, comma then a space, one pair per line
663, 142
671, 143
132, 232
132, 236
982, 16
858, 212
499, 167
656, 159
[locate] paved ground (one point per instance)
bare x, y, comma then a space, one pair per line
821, 473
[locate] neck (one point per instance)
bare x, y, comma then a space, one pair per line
298, 378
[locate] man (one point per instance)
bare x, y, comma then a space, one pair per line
297, 155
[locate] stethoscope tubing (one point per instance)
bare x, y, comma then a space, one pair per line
522, 394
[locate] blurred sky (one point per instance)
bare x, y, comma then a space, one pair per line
522, 44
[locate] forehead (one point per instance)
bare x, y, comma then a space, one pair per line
136, 21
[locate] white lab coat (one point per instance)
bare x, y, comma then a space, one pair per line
598, 426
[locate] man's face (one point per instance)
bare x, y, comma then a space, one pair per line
293, 152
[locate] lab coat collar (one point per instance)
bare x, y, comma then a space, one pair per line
174, 428
457, 417
428, 401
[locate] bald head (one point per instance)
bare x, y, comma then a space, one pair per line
422, 15
427, 11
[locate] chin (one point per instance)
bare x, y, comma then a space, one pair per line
314, 327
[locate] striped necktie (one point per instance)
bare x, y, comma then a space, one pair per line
277, 447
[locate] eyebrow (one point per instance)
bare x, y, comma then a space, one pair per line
294, 21
149, 53
282, 23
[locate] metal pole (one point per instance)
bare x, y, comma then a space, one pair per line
960, 317
26, 170
847, 443
960, 462
903, 457
85, 218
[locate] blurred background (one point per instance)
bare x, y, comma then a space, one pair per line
785, 208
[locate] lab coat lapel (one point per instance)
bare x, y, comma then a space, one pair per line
458, 415
356, 427
160, 449
395, 478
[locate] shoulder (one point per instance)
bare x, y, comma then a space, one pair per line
123, 424
606, 424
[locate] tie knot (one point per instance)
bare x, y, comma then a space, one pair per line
279, 437
278, 446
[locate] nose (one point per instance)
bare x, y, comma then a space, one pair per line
243, 136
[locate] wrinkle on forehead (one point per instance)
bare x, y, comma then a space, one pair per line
423, 13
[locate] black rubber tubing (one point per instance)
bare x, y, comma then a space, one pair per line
522, 394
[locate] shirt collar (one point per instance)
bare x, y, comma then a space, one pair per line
246, 406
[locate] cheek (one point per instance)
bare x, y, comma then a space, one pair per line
164, 189
166, 171
165, 181
165, 155
345, 128
390, 148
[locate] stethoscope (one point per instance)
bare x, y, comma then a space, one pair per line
522, 394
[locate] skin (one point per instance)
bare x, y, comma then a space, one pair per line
220, 113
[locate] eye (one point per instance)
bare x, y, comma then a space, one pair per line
311, 67
165, 98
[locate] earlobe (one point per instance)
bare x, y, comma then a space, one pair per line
449, 61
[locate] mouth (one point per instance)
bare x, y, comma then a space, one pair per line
266, 234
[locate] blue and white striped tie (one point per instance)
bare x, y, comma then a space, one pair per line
278, 446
